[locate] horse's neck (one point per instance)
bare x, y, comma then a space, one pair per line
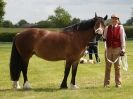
85, 37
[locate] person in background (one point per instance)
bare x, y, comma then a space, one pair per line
93, 49
114, 37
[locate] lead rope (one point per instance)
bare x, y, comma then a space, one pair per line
124, 62
108, 58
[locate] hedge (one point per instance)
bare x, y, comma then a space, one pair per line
8, 37
129, 33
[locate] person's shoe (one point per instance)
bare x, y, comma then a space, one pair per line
118, 86
106, 86
98, 60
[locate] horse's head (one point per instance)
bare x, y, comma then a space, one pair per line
99, 24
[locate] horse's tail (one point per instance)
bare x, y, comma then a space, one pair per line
15, 60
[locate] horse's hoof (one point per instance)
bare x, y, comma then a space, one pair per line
74, 87
27, 85
16, 85
63, 87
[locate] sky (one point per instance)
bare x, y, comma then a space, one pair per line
37, 10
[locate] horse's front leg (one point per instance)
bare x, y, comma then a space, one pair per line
74, 71
66, 73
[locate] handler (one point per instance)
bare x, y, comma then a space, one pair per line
114, 35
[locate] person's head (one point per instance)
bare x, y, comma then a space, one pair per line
115, 19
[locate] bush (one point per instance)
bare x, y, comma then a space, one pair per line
7, 37
129, 33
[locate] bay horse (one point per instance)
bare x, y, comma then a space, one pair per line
69, 44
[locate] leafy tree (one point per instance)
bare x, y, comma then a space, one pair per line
7, 24
45, 24
75, 20
2, 12
129, 21
22, 22
61, 18
108, 22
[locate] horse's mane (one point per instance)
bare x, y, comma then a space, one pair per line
81, 26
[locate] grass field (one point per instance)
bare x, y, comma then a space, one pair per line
16, 30
45, 78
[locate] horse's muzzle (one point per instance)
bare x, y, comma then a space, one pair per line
99, 31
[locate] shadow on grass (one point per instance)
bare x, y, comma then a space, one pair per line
40, 89
34, 89
46, 89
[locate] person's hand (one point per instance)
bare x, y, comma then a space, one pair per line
122, 53
104, 39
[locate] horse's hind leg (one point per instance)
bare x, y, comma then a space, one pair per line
74, 71
16, 85
24, 67
66, 73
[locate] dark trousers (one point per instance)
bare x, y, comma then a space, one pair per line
91, 50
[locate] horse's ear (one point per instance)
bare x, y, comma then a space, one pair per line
95, 15
105, 18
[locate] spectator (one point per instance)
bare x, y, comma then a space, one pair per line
93, 49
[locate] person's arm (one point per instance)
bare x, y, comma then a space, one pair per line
122, 37
105, 33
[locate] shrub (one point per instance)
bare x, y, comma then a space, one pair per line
7, 37
129, 33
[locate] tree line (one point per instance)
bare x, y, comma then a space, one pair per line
61, 18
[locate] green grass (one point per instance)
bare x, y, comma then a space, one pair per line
128, 26
10, 30
16, 30
45, 78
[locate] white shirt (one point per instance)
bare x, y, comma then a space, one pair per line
122, 36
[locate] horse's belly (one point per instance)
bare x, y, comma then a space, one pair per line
53, 58
51, 48
50, 56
